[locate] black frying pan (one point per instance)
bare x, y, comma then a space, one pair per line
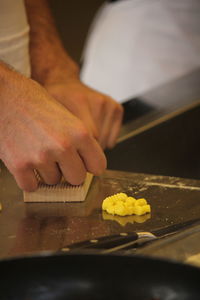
97, 277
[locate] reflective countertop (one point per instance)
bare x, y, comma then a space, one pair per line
27, 228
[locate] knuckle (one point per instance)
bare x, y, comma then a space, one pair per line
42, 158
102, 100
20, 165
63, 145
83, 134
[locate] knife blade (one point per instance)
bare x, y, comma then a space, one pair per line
126, 240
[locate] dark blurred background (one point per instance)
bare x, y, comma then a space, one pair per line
73, 19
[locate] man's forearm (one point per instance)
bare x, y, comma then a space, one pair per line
57, 72
46, 50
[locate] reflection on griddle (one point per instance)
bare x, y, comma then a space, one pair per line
127, 219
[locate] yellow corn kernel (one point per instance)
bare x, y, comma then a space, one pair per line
130, 201
120, 210
141, 202
106, 204
119, 196
137, 210
110, 210
129, 210
147, 208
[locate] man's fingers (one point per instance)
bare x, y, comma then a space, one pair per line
50, 173
115, 127
107, 115
93, 157
89, 122
111, 125
26, 180
72, 167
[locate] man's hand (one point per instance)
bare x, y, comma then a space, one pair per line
53, 68
38, 133
100, 113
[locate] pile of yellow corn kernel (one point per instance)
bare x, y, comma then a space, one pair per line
122, 205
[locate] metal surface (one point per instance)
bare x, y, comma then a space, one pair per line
33, 227
183, 246
176, 96
170, 148
165, 139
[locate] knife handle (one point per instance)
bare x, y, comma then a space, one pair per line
113, 241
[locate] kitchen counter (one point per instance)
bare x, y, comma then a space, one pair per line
28, 228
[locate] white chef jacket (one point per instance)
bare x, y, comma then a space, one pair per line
136, 45
14, 35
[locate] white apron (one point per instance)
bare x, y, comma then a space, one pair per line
136, 45
14, 35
